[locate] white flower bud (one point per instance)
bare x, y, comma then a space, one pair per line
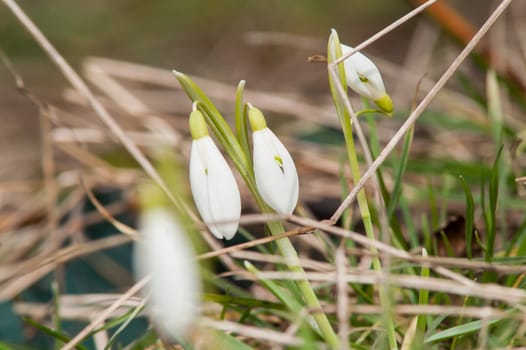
363, 76
174, 290
214, 188
276, 175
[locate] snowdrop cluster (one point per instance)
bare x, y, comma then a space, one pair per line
213, 185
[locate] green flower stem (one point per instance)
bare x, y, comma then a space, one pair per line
334, 52
369, 229
288, 251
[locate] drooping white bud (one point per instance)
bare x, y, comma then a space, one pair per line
213, 185
363, 76
276, 175
174, 290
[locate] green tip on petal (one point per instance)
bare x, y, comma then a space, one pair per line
385, 103
256, 119
198, 126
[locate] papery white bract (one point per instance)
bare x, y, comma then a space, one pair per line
276, 175
174, 290
214, 188
363, 76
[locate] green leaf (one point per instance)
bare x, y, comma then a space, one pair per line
423, 298
51, 332
7, 346
241, 120
470, 217
145, 341
130, 316
280, 293
227, 342
460, 330
246, 302
493, 193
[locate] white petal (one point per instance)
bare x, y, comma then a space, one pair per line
214, 188
174, 290
358, 65
278, 185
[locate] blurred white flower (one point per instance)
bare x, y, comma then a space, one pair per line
174, 290
276, 175
214, 187
363, 76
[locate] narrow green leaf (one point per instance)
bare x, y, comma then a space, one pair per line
51, 332
283, 295
423, 299
7, 346
459, 330
399, 173
130, 317
470, 217
493, 193
241, 120
225, 341
246, 302
394, 199
145, 341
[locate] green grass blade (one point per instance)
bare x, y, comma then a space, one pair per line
227, 342
245, 302
493, 193
51, 332
423, 299
225, 285
399, 173
7, 346
132, 315
145, 341
457, 331
283, 295
470, 217
241, 120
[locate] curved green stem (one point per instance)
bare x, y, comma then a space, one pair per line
288, 251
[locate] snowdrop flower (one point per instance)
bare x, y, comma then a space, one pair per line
276, 175
214, 188
174, 289
363, 77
